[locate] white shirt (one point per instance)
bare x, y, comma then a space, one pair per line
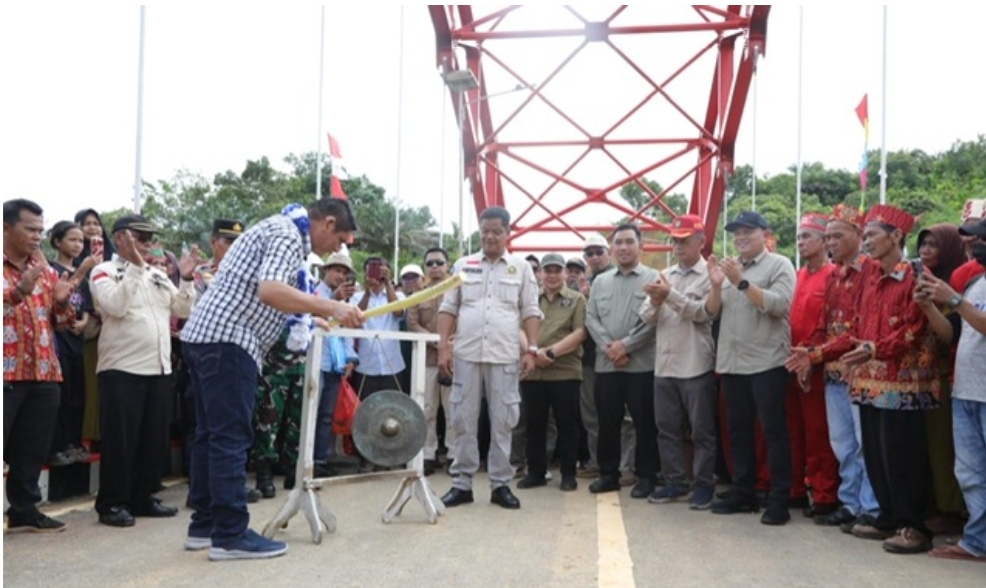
379, 357
136, 304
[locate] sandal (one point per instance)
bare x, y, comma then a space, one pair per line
955, 552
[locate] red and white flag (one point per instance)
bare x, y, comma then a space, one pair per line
338, 172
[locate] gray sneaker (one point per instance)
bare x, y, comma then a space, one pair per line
668, 494
702, 498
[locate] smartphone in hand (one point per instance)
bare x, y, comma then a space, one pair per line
96, 246
373, 270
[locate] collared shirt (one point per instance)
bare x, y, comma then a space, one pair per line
336, 351
685, 348
970, 371
833, 332
273, 250
903, 375
203, 274
29, 353
379, 357
490, 305
136, 303
589, 346
808, 302
612, 315
423, 318
563, 315
752, 340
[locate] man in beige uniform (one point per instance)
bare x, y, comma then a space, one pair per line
423, 318
498, 294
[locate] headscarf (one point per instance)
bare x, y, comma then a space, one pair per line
108, 250
951, 249
173, 260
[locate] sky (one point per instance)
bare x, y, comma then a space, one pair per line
223, 86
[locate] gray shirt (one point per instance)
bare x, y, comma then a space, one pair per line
752, 340
685, 348
493, 300
611, 315
970, 372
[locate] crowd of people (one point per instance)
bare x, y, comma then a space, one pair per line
852, 389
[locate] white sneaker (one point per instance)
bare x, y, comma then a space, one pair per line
197, 543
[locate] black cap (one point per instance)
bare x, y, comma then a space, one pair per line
134, 222
748, 219
974, 230
230, 229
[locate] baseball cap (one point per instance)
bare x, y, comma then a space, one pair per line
553, 259
595, 241
686, 225
974, 230
411, 268
134, 222
748, 219
576, 261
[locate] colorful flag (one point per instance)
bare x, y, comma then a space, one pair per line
335, 159
863, 114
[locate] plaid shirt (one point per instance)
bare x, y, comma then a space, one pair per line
230, 311
29, 352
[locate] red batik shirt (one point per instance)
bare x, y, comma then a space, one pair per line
29, 353
903, 374
833, 333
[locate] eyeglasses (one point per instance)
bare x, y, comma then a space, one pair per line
595, 252
410, 277
434, 262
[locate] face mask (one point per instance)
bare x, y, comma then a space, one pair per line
979, 253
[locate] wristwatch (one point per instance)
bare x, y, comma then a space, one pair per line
549, 353
742, 285
533, 350
954, 301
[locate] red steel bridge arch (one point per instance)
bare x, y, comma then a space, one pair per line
690, 146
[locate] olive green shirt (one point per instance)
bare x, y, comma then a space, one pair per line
563, 315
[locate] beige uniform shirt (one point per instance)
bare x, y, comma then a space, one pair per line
423, 318
136, 304
492, 301
685, 348
752, 340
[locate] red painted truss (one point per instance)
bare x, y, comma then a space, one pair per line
594, 102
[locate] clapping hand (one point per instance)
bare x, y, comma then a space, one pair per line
715, 272
658, 291
189, 259
732, 270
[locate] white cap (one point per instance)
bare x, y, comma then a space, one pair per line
595, 241
411, 268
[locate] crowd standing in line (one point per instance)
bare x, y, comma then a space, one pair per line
852, 388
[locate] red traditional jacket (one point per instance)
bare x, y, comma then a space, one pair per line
808, 302
903, 374
833, 332
29, 323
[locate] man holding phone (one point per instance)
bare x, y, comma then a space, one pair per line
380, 360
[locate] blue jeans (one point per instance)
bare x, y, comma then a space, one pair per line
224, 378
969, 430
325, 439
855, 491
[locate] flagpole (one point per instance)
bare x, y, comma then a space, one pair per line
321, 97
400, 124
138, 181
801, 44
883, 117
441, 185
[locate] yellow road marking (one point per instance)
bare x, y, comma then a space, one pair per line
615, 565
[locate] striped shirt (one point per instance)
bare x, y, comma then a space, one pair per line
230, 311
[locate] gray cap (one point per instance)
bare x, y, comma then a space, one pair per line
553, 259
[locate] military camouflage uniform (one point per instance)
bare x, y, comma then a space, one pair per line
277, 416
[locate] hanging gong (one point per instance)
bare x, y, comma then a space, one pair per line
389, 428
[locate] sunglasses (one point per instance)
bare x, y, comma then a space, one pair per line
595, 252
143, 237
434, 262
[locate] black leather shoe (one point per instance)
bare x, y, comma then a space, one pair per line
735, 503
776, 514
643, 488
835, 519
117, 516
505, 498
153, 509
431, 466
820, 509
605, 484
568, 483
289, 481
455, 497
253, 495
532, 481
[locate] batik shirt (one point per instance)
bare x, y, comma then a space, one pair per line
29, 353
833, 333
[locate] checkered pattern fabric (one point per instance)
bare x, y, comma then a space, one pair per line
231, 311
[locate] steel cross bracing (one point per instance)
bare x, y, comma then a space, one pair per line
603, 100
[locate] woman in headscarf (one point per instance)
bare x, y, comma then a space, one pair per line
92, 226
941, 251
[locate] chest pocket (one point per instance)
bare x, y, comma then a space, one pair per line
509, 291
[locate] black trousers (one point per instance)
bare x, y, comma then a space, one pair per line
895, 449
30, 410
134, 414
616, 393
562, 397
759, 395
72, 407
